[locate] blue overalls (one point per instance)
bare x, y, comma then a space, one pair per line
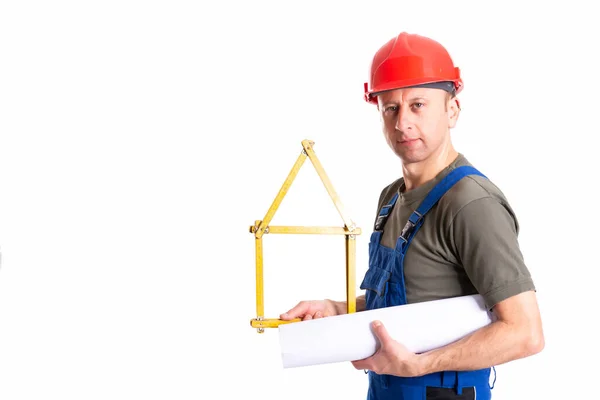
384, 287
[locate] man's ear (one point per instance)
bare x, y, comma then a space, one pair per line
453, 112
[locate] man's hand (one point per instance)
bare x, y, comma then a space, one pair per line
391, 358
314, 309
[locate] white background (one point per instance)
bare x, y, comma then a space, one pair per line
140, 140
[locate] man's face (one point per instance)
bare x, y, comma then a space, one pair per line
417, 121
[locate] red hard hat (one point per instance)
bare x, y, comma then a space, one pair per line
410, 60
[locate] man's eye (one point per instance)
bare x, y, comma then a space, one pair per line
391, 109
418, 105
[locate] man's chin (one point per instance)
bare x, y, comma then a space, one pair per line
410, 157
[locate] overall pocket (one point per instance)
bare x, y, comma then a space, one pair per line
375, 286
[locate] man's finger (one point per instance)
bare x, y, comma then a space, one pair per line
298, 311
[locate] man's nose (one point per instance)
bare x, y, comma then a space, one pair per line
403, 120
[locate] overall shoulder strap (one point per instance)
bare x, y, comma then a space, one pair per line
384, 213
416, 218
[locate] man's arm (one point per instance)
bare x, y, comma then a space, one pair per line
516, 334
341, 307
361, 305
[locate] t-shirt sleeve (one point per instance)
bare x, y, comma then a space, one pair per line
485, 237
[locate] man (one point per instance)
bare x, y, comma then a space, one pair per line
443, 230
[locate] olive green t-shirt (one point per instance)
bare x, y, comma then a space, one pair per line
466, 245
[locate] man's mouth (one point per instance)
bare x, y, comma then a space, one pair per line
408, 141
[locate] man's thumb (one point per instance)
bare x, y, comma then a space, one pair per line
381, 333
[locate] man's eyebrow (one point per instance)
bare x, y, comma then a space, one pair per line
411, 100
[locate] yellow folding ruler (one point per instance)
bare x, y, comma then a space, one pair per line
260, 228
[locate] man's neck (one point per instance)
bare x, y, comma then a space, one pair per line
417, 174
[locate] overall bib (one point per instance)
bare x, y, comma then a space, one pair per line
384, 287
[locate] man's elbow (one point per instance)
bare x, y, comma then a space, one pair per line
532, 341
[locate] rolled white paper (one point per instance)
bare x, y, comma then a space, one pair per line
420, 327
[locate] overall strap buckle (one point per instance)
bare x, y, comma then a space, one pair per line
384, 213
414, 220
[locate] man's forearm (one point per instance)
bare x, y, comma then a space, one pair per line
495, 344
342, 306
361, 303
